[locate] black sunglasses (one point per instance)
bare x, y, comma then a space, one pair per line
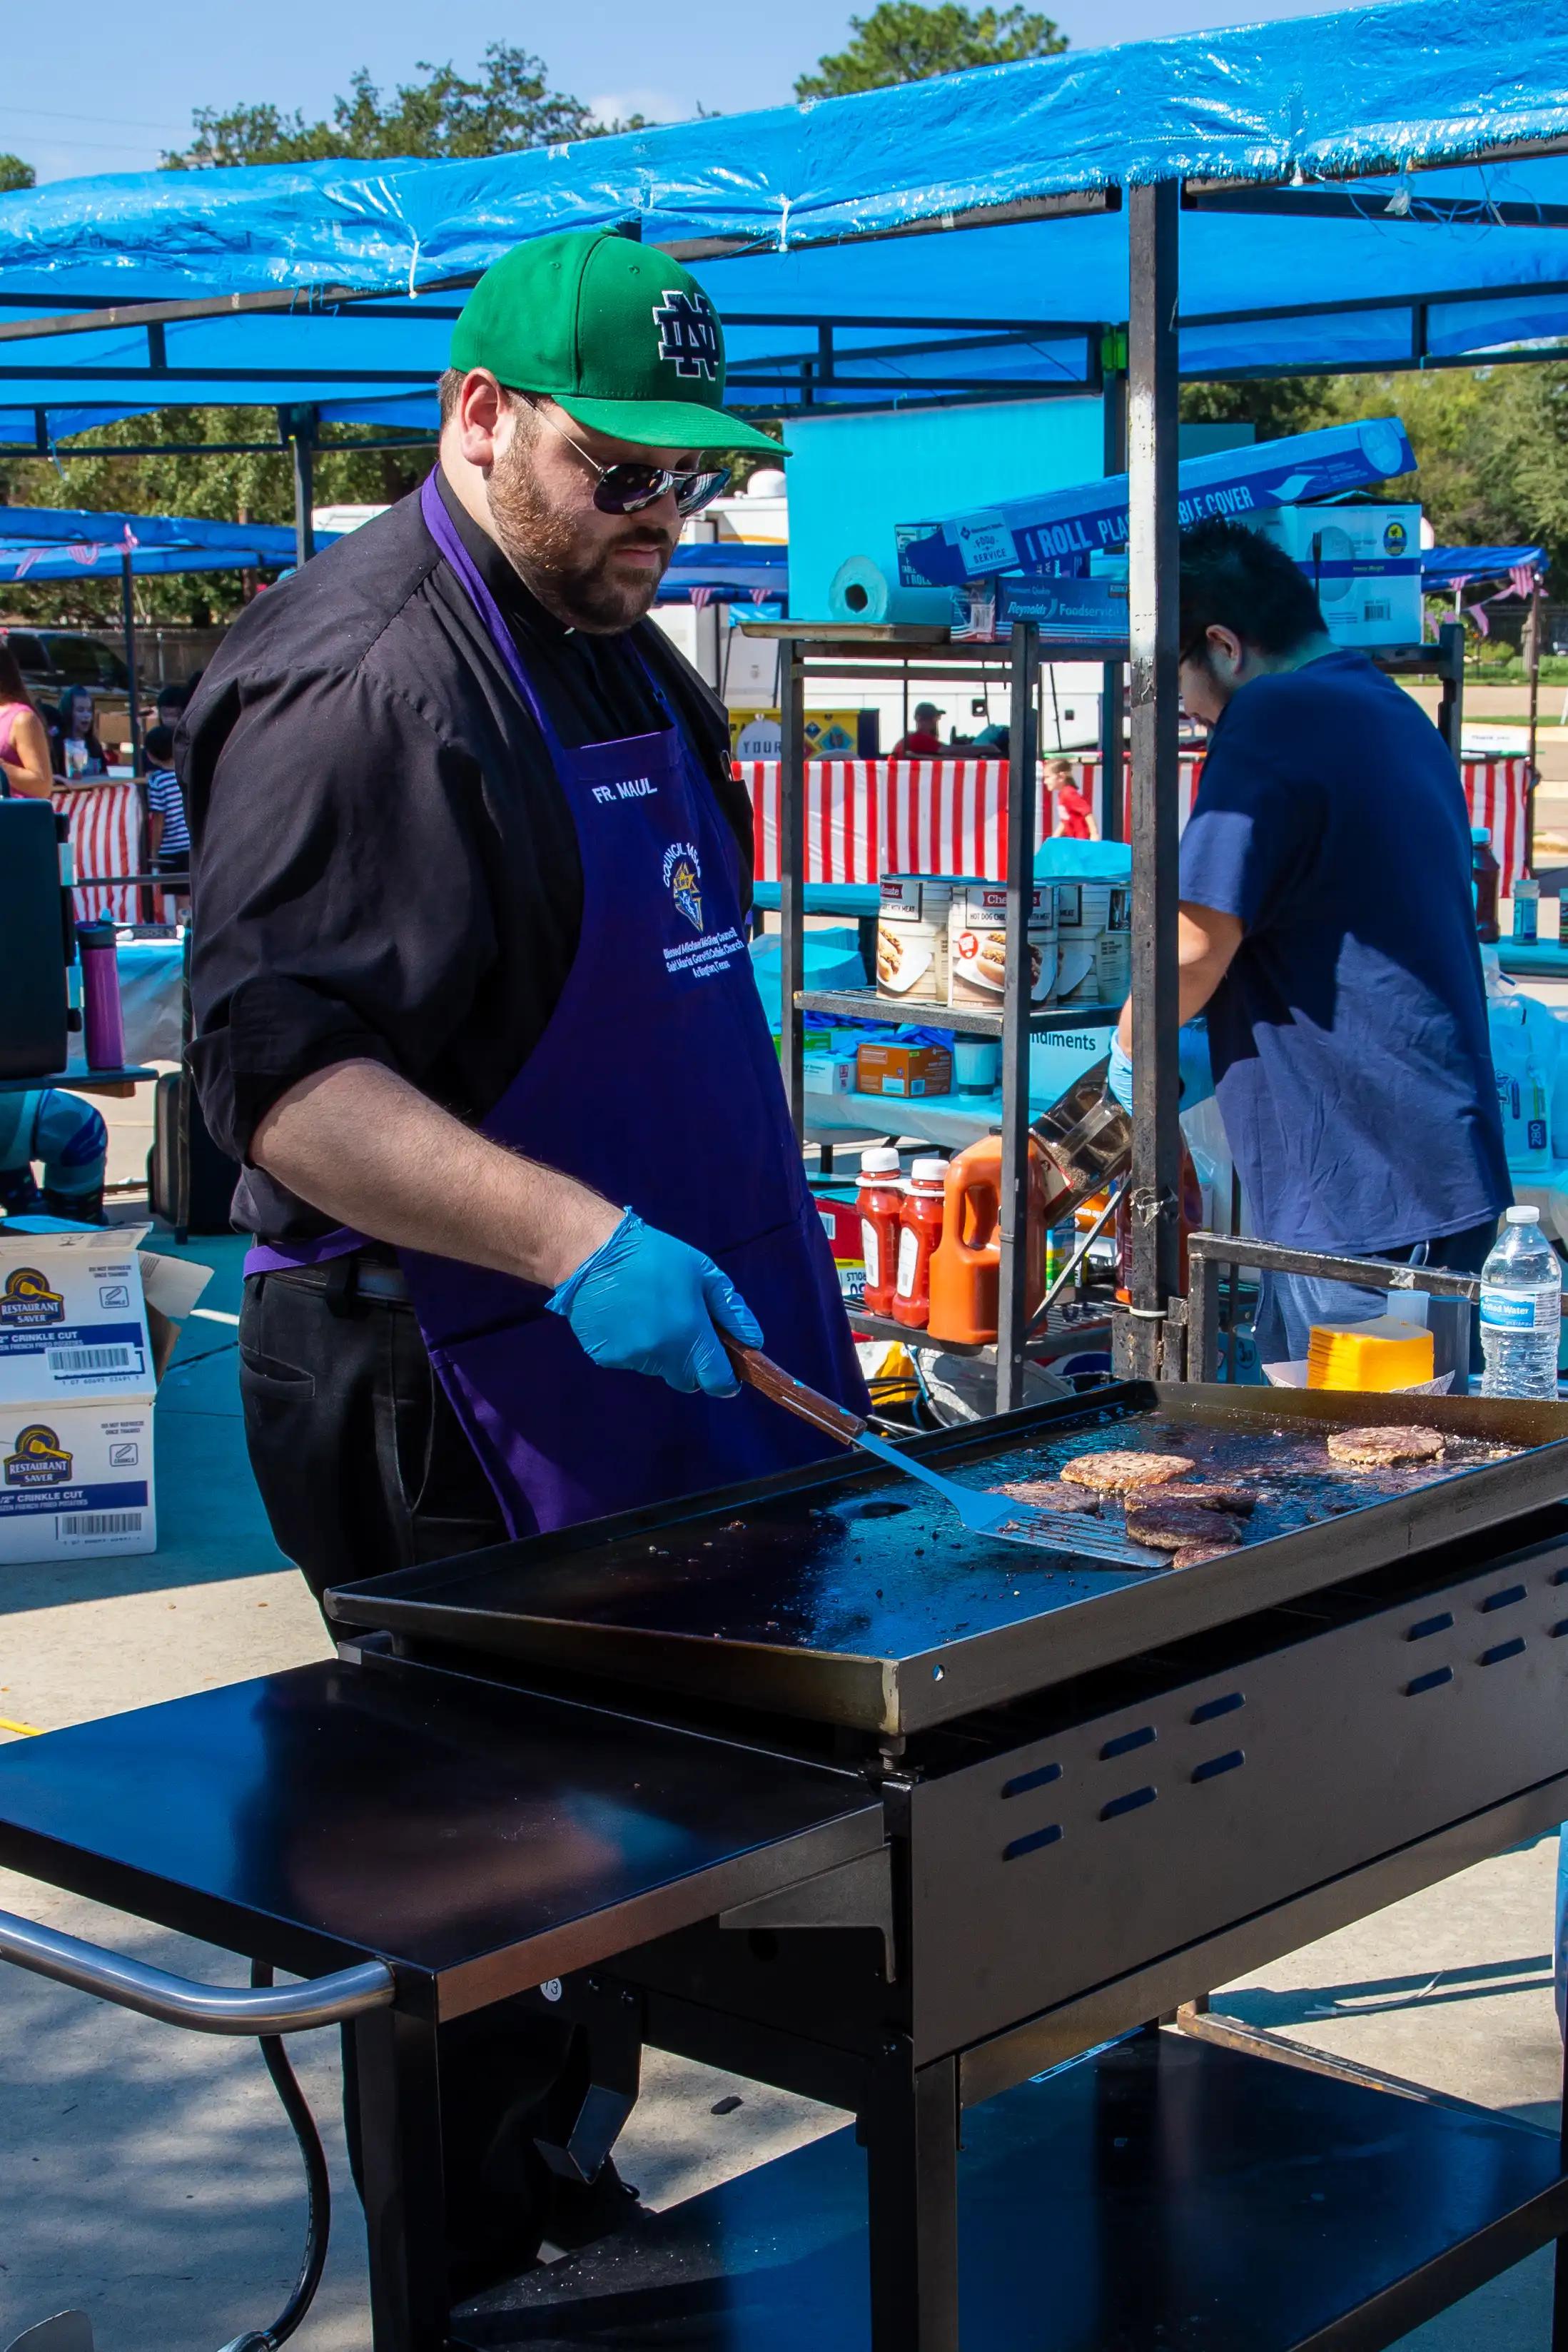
629, 486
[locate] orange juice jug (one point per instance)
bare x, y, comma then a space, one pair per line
966, 1266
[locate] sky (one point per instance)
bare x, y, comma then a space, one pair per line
123, 88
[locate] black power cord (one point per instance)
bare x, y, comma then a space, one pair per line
317, 2192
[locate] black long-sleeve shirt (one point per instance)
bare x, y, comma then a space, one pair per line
384, 865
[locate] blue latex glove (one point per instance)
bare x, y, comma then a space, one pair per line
647, 1303
1119, 1076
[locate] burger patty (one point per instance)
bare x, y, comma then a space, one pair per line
1114, 1474
1194, 1555
1211, 1496
1171, 1525
1380, 1448
1051, 1494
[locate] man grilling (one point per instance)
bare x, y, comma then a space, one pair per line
475, 1008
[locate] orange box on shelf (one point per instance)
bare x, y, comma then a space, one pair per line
884, 1067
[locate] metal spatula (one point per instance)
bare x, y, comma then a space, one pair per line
982, 1514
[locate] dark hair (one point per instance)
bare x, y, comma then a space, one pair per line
173, 692
158, 745
13, 685
1233, 579
62, 728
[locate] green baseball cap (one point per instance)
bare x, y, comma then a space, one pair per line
619, 335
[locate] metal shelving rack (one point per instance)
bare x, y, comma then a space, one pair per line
928, 654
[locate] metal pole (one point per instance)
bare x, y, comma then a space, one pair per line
1113, 742
1023, 753
1154, 549
301, 441
1534, 778
1451, 702
792, 872
705, 618
127, 627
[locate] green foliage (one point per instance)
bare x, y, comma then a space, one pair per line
902, 41
14, 173
228, 488
1491, 442
1277, 406
511, 105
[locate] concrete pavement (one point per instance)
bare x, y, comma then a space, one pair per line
147, 2177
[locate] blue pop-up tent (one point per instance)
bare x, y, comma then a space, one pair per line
1455, 567
77, 543
1381, 188
728, 572
801, 221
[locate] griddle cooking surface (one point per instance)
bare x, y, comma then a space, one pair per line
872, 1570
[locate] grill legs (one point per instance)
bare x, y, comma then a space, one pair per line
911, 2132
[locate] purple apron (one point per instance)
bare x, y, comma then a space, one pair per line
657, 1083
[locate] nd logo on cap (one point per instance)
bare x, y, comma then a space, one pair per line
623, 338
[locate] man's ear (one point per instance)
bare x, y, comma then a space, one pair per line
481, 404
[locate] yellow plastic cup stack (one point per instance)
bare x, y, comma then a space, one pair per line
1383, 1354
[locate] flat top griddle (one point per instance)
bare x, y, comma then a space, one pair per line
850, 1596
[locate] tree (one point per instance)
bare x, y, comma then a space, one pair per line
509, 108
1275, 405
14, 173
902, 41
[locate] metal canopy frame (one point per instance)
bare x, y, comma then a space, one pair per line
1153, 382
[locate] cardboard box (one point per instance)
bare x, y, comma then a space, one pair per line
73, 1320
829, 1073
1364, 562
841, 1224
77, 1480
885, 1069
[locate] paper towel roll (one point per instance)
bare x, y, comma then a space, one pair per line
859, 590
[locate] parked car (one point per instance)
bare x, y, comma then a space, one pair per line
52, 659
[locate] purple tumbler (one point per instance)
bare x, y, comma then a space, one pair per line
102, 1020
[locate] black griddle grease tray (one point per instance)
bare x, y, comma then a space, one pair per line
840, 1594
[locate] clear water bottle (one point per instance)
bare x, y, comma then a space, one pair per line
1522, 1309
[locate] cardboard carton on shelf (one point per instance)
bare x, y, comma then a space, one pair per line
885, 1067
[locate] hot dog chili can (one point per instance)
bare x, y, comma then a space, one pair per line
978, 944
912, 935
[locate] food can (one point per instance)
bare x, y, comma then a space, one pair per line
912, 935
1083, 910
1114, 949
977, 950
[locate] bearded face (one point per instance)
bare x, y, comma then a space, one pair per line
595, 572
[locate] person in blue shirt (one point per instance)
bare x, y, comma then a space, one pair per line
1327, 928
68, 1138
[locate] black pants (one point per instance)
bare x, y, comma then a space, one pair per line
361, 1463
364, 1467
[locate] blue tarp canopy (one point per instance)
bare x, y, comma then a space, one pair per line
1322, 230
1453, 567
73, 543
726, 572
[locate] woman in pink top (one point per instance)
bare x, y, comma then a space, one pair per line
24, 738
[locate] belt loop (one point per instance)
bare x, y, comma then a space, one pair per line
342, 1284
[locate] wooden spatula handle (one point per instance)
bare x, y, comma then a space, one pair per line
760, 1371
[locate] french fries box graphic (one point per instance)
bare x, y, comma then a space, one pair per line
73, 1321
75, 1479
